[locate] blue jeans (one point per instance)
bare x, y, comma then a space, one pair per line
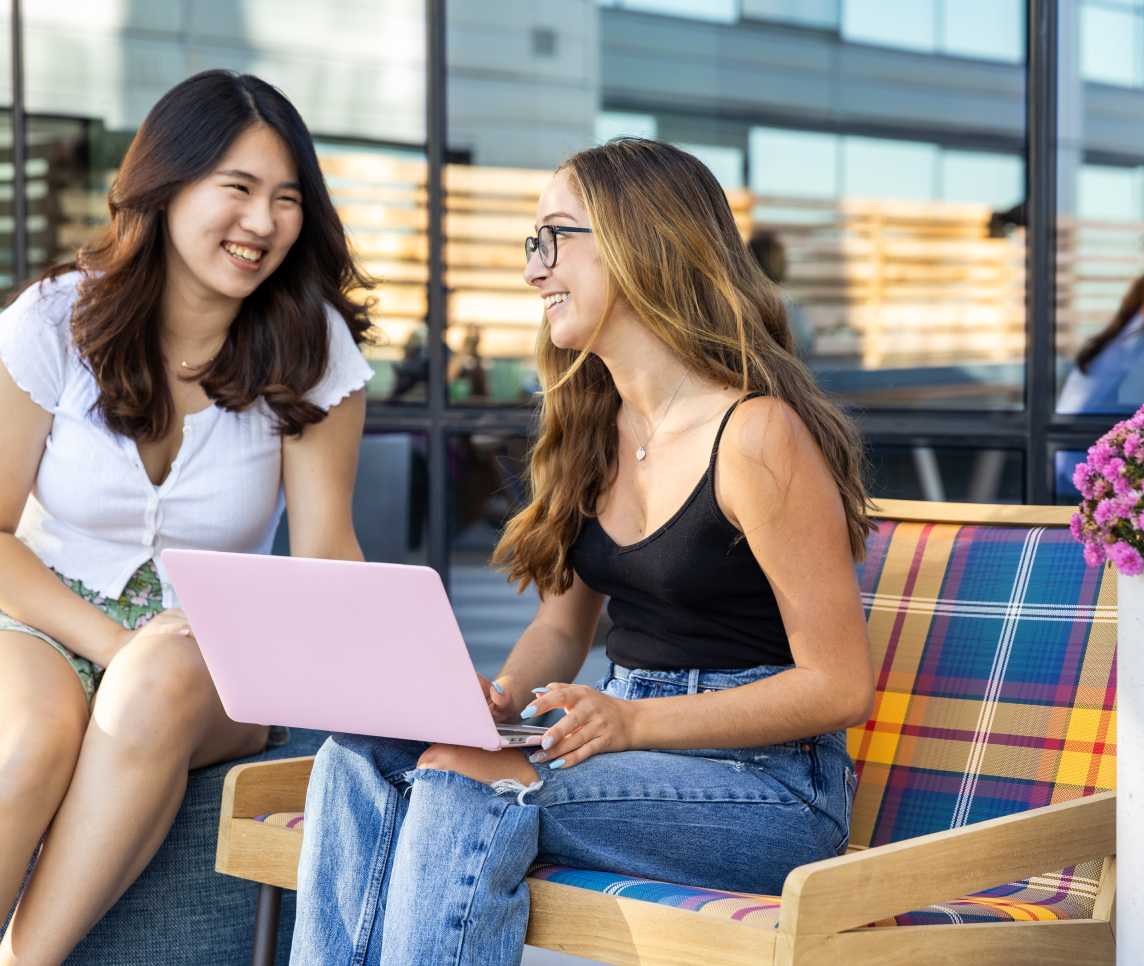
419, 866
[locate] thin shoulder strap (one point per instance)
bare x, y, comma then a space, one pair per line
723, 426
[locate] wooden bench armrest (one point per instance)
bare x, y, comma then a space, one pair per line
852, 890
262, 787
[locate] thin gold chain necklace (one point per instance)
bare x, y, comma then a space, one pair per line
641, 452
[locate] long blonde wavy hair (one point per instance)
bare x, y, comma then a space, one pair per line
671, 249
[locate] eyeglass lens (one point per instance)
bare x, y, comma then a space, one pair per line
545, 242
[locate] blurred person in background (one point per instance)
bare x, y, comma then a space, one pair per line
770, 253
1108, 376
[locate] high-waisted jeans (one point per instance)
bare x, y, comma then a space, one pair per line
417, 866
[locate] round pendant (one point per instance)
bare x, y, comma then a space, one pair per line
641, 454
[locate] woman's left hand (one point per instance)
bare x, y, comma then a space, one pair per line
592, 723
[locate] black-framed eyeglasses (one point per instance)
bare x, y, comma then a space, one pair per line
544, 241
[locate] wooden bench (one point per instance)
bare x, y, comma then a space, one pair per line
985, 773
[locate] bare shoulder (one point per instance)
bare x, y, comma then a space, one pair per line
768, 431
771, 467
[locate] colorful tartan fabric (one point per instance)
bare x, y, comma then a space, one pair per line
996, 687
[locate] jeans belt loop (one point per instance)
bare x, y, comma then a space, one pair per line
693, 681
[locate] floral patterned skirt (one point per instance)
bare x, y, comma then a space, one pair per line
141, 600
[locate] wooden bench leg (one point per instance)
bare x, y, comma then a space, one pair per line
266, 925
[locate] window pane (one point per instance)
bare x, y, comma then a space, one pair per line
1112, 45
998, 180
795, 163
882, 185
390, 500
907, 24
809, 13
723, 11
963, 475
1100, 199
962, 33
879, 168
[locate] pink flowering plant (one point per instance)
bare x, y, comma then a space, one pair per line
1110, 519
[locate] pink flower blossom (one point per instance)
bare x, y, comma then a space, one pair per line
1107, 513
1098, 456
1094, 553
1080, 476
1126, 558
1134, 446
1123, 488
1076, 526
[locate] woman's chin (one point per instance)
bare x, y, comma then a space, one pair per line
567, 337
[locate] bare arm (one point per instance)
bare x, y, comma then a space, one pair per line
318, 470
553, 647
29, 591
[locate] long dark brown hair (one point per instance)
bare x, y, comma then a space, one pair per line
1132, 304
277, 346
672, 250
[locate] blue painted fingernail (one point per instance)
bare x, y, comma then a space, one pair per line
540, 690
528, 712
547, 742
497, 687
537, 758
559, 763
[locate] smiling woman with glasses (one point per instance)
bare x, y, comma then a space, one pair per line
544, 241
689, 472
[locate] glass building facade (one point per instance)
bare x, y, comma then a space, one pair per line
951, 193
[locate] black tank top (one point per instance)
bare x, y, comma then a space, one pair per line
689, 595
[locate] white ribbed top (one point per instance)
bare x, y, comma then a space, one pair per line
94, 515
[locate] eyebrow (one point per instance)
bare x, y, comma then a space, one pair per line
247, 176
555, 214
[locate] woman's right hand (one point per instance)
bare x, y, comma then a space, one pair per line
168, 622
499, 699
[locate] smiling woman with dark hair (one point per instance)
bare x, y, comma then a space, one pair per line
194, 372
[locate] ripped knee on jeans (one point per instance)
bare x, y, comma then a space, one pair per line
510, 786
498, 786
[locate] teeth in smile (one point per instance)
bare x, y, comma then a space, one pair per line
551, 300
241, 251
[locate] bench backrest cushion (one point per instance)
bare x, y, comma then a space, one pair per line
994, 649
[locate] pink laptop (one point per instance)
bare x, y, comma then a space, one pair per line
365, 648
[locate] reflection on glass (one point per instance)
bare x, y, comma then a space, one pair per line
1112, 42
1100, 199
390, 500
908, 24
924, 472
884, 188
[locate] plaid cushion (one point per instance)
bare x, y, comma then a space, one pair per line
996, 687
996, 693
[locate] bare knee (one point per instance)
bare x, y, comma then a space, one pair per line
38, 753
155, 695
478, 764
